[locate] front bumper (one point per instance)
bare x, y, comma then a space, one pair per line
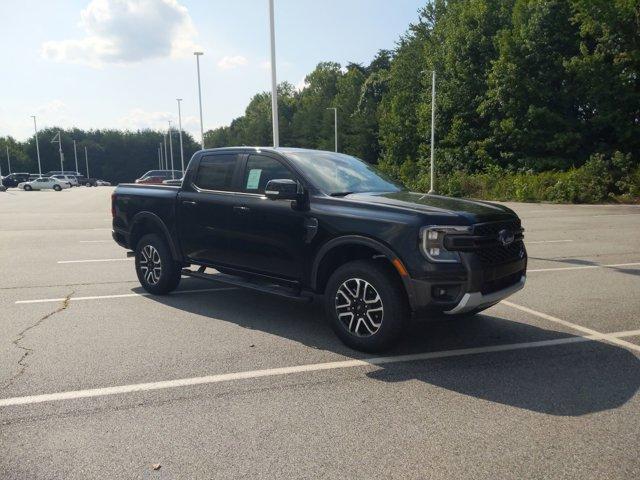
460, 288
474, 300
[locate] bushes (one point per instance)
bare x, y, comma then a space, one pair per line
600, 179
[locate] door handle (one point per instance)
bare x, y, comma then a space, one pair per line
189, 203
241, 209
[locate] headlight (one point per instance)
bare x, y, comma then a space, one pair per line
432, 243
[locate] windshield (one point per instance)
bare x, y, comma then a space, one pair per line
339, 174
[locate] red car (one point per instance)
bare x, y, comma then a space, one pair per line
159, 176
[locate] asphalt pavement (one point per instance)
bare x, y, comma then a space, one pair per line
99, 380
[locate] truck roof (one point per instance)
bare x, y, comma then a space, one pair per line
265, 149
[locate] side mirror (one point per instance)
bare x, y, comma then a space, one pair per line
283, 189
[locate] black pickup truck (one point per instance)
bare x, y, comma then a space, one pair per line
301, 223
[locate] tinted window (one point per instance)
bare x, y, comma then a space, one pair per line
260, 170
338, 174
216, 172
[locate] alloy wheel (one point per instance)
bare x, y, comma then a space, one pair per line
359, 307
150, 264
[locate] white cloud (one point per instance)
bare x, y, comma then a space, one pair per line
140, 119
231, 62
127, 31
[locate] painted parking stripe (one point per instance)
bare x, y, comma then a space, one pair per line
546, 241
98, 260
315, 367
574, 326
584, 267
123, 295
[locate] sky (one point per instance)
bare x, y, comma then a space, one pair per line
122, 63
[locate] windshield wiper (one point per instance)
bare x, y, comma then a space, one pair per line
340, 194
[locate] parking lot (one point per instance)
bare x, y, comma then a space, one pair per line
100, 380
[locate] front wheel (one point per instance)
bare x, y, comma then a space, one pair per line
88, 184
28, 188
366, 305
157, 272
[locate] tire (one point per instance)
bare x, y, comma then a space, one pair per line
57, 188
27, 188
351, 291
157, 272
88, 184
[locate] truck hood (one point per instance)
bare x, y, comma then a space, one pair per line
474, 211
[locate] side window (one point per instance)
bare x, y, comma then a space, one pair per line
260, 170
216, 172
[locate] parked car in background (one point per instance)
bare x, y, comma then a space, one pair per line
102, 183
177, 182
159, 176
62, 172
44, 183
13, 179
70, 179
87, 182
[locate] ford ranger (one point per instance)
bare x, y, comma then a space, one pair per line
305, 223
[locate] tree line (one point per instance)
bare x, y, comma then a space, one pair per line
113, 155
523, 86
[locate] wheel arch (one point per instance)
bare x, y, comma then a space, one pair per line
353, 247
148, 222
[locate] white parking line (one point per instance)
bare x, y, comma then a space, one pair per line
98, 260
615, 215
315, 367
583, 267
547, 241
608, 337
122, 295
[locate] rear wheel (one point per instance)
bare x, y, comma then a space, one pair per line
157, 272
88, 184
366, 305
57, 188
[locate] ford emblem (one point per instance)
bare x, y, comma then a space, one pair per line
506, 237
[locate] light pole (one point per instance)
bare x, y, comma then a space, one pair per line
197, 54
433, 128
166, 162
180, 130
159, 157
86, 160
171, 151
8, 158
75, 154
274, 85
35, 127
432, 172
53, 140
335, 126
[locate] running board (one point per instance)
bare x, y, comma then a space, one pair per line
270, 288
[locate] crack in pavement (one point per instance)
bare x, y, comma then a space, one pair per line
28, 351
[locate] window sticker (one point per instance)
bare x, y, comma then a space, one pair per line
253, 180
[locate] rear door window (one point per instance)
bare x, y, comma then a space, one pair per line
259, 170
215, 172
